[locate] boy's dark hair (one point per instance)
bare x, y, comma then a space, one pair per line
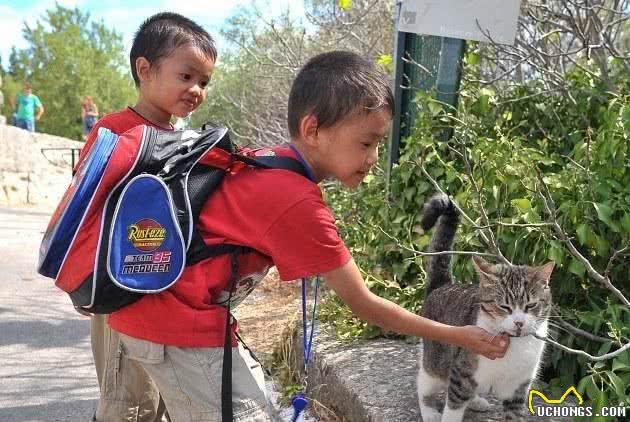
333, 85
161, 34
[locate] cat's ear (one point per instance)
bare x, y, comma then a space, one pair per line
481, 265
542, 274
484, 269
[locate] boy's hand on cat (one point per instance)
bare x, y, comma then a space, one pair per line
480, 341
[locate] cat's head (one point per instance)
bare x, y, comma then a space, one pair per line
517, 299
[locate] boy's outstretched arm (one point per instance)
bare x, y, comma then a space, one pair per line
348, 283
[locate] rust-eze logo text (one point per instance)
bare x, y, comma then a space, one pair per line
146, 235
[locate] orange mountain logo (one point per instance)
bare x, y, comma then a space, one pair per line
552, 401
146, 235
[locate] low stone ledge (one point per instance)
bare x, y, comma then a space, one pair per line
30, 176
374, 381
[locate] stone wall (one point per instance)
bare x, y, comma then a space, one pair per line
35, 168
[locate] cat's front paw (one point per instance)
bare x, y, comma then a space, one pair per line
479, 404
430, 414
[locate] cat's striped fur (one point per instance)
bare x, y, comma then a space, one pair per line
508, 299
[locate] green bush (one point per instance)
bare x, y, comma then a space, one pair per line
579, 142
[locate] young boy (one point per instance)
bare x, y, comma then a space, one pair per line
172, 59
340, 107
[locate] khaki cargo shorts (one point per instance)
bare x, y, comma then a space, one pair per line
189, 380
127, 393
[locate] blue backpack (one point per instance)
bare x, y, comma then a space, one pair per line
126, 224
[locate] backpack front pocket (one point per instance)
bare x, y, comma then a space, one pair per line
146, 251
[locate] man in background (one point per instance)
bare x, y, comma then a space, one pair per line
28, 108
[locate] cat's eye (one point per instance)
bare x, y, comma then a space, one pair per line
506, 308
530, 306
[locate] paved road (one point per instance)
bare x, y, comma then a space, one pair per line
46, 368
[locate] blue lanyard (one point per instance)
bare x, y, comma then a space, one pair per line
300, 402
308, 345
309, 172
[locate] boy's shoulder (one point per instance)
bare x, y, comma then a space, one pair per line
283, 178
122, 120
279, 189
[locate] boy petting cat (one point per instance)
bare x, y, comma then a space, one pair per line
340, 107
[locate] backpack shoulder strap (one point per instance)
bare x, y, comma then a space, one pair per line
198, 250
274, 162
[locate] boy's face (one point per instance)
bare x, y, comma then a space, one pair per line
179, 82
347, 150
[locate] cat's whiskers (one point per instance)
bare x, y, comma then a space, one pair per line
559, 327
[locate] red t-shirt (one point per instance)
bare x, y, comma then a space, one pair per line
278, 213
118, 122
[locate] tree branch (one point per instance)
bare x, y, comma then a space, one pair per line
583, 353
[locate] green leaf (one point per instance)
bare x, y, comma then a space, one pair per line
591, 388
601, 400
487, 92
620, 388
399, 219
576, 267
604, 213
409, 193
345, 4
434, 107
581, 387
602, 245
484, 104
472, 58
603, 349
555, 254
618, 365
582, 232
385, 60
522, 204
625, 222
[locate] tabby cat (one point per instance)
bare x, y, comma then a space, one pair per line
508, 299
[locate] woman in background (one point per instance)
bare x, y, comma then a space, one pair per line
89, 115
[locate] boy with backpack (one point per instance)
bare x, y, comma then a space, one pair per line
172, 60
340, 107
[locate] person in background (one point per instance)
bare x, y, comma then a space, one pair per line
28, 108
89, 115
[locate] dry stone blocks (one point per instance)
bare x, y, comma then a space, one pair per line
31, 174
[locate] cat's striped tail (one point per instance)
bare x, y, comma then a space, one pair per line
439, 209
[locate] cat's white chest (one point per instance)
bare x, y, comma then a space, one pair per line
519, 365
